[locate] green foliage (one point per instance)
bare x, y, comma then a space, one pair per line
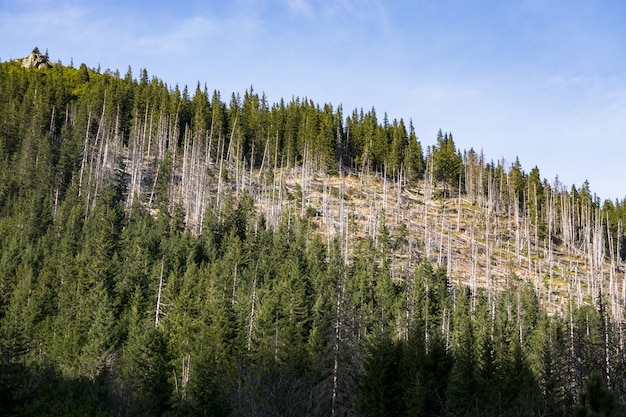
380, 391
447, 162
462, 385
113, 308
596, 399
144, 386
414, 157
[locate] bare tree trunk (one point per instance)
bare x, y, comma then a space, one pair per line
441, 229
157, 309
490, 208
175, 191
474, 267
252, 309
85, 155
458, 209
336, 345
184, 381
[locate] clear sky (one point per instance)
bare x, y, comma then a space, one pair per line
542, 80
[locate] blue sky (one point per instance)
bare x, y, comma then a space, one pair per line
541, 80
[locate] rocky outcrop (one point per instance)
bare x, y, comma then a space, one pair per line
36, 60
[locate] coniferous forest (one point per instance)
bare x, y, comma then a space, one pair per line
175, 252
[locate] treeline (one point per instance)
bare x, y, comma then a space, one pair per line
140, 274
64, 124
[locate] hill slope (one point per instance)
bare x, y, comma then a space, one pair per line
164, 253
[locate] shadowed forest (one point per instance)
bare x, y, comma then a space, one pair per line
164, 252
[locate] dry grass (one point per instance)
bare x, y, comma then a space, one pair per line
453, 234
479, 246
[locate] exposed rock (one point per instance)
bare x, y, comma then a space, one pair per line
36, 60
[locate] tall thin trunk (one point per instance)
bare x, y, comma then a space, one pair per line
157, 309
336, 347
252, 309
85, 153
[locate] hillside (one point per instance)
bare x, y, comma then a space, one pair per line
480, 239
447, 231
165, 253
479, 246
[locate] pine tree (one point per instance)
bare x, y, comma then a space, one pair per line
143, 365
380, 392
447, 162
596, 399
414, 157
462, 385
100, 341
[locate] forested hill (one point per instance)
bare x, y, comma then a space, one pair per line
164, 252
